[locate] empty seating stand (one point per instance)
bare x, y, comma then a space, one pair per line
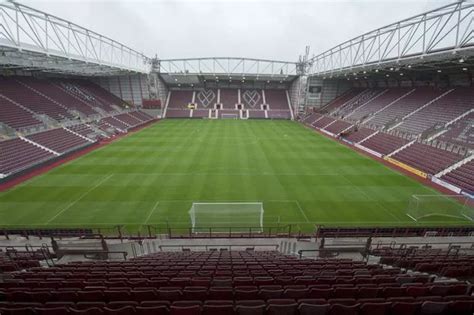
225, 283
17, 155
378, 103
59, 95
384, 143
440, 112
360, 134
341, 100
58, 140
427, 158
16, 117
463, 177
406, 105
323, 122
31, 99
338, 127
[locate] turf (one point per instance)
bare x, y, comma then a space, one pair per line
153, 176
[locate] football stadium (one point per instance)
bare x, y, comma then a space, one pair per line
339, 183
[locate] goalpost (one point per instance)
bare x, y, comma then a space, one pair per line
237, 216
454, 206
230, 116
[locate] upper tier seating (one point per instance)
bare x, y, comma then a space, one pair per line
75, 88
229, 98
105, 96
378, 103
463, 177
206, 98
461, 133
37, 103
16, 117
427, 158
276, 99
59, 95
252, 99
360, 134
17, 154
358, 101
341, 100
196, 283
440, 112
58, 140
420, 97
384, 143
180, 99
338, 127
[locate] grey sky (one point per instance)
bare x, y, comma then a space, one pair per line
271, 29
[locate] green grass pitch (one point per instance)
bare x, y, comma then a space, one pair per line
153, 176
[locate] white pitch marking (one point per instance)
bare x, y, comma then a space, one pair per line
368, 197
302, 211
151, 212
80, 197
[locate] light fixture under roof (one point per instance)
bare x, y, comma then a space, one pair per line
387, 75
401, 73
409, 66
464, 69
391, 69
376, 70
439, 70
461, 60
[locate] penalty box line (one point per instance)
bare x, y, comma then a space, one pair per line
103, 180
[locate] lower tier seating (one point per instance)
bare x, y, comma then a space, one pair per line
462, 177
58, 140
17, 154
338, 127
384, 143
427, 158
359, 135
248, 282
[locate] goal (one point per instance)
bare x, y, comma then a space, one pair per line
230, 116
454, 206
225, 216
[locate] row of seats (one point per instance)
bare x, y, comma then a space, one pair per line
462, 176
252, 307
427, 158
98, 293
59, 140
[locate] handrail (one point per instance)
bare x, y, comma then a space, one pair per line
207, 246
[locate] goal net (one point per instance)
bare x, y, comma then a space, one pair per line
454, 206
221, 216
230, 116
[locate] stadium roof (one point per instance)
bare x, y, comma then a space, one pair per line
34, 40
432, 41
